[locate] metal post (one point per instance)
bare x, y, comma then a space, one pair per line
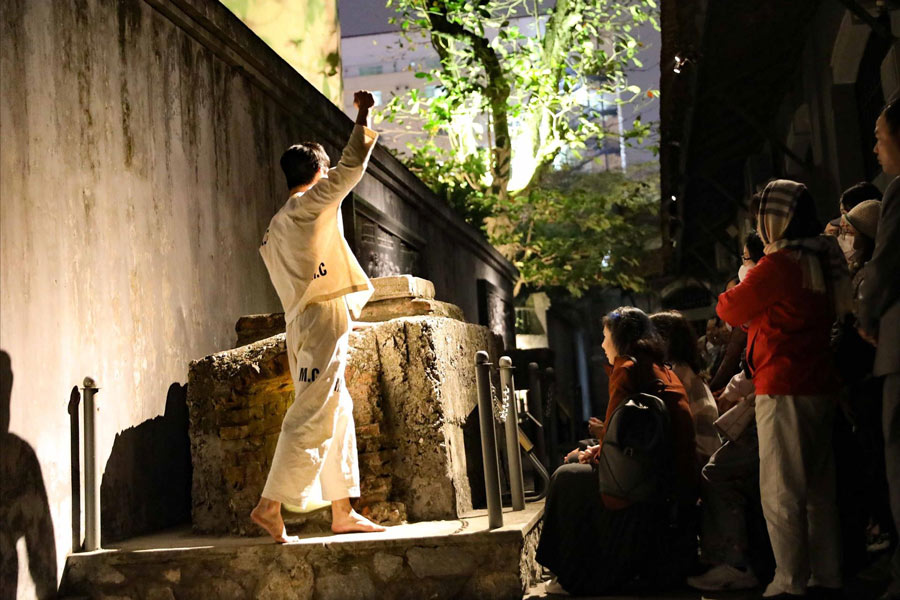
74, 449
91, 481
508, 390
488, 440
536, 408
553, 417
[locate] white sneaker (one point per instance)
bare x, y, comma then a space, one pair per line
724, 577
553, 587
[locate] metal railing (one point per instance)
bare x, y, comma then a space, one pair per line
88, 447
488, 440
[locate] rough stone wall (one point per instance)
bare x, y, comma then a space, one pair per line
137, 175
237, 401
412, 381
428, 382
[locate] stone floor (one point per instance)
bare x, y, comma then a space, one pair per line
443, 559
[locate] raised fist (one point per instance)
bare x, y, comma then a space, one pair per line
363, 100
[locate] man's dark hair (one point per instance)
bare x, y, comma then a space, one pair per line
891, 114
755, 247
302, 161
633, 334
679, 339
857, 193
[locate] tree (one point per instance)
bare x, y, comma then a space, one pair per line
508, 102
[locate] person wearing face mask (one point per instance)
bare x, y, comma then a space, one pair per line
737, 337
853, 195
859, 228
862, 491
879, 310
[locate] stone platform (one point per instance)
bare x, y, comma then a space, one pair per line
457, 558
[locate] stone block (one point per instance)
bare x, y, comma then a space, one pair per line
428, 394
395, 308
252, 328
387, 565
412, 381
386, 513
440, 561
401, 286
391, 295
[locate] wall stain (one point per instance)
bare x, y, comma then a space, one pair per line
16, 47
188, 94
128, 15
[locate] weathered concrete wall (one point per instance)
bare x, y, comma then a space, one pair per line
137, 174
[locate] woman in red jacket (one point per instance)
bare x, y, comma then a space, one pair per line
599, 544
788, 303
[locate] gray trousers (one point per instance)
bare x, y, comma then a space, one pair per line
891, 424
730, 481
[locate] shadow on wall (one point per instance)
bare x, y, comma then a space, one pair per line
146, 485
24, 510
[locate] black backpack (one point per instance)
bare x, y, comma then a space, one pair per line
635, 461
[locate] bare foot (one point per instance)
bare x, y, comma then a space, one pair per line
346, 520
267, 515
354, 523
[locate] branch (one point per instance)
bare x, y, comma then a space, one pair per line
496, 91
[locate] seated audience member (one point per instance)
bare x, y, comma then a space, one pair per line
789, 302
731, 515
597, 543
737, 341
879, 312
713, 345
852, 196
682, 353
730, 486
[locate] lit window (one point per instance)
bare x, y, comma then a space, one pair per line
376, 94
432, 91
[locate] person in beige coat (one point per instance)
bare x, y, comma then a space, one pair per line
320, 284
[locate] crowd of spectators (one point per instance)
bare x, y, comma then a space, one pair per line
782, 427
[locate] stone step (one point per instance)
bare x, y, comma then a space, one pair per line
457, 558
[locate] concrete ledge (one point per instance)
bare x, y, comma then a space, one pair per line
441, 559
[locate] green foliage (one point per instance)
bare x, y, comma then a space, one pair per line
577, 230
514, 93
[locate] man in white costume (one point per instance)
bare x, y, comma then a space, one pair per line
320, 283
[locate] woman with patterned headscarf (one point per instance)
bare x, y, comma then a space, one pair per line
788, 303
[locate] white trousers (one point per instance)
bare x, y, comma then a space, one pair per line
797, 487
318, 437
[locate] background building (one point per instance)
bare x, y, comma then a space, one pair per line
377, 57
